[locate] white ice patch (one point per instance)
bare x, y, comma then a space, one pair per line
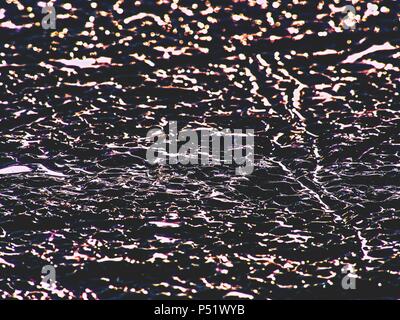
376, 47
50, 172
15, 169
240, 295
162, 224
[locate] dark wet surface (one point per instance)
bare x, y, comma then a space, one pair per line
324, 104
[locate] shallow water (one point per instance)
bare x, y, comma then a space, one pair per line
76, 190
